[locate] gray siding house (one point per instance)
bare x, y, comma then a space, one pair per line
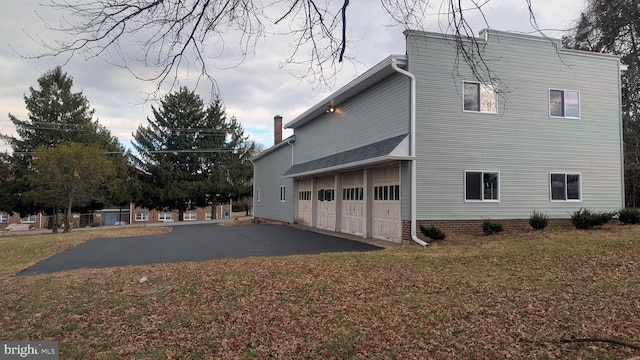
418, 139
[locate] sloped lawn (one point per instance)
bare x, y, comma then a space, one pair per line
533, 295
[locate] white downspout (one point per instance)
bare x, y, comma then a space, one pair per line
412, 197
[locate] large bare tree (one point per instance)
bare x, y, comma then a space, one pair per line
174, 35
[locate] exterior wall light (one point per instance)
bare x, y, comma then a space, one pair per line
330, 109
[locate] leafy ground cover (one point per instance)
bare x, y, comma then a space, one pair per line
532, 295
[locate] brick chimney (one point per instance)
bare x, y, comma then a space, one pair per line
277, 129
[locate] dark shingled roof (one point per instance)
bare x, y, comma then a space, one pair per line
371, 151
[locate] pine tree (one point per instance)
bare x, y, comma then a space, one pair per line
187, 153
56, 116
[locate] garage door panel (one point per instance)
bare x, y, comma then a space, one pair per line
386, 218
352, 217
304, 213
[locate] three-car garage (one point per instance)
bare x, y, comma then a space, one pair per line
364, 202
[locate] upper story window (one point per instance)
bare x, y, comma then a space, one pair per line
564, 103
480, 97
565, 187
481, 186
283, 193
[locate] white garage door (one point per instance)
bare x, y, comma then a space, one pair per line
326, 203
303, 211
353, 212
386, 223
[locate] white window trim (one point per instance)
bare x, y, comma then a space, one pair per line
480, 105
35, 218
4, 218
482, 192
565, 173
565, 110
144, 217
164, 216
283, 193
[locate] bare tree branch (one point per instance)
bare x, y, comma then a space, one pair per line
170, 37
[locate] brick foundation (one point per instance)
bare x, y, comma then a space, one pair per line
473, 227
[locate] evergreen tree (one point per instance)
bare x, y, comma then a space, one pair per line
56, 116
613, 26
189, 153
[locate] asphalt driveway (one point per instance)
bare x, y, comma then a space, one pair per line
196, 243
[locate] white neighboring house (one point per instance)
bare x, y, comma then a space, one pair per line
418, 140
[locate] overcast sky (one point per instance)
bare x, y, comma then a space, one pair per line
254, 91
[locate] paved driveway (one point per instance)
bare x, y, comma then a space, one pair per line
196, 243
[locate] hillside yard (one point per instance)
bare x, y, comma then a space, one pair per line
533, 295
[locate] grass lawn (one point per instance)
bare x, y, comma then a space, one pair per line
515, 296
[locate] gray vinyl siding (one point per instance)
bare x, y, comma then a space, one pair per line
379, 113
521, 142
267, 175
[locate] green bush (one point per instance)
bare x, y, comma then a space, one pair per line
492, 227
432, 232
538, 220
586, 219
629, 216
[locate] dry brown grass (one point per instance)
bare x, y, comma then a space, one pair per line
510, 296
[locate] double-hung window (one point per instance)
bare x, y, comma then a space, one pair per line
480, 97
565, 186
481, 186
564, 103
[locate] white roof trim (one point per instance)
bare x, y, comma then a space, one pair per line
352, 165
375, 74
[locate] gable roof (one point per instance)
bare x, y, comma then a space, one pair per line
392, 148
377, 73
288, 141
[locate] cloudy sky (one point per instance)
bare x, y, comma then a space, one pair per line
253, 91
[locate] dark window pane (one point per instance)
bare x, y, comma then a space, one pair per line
573, 187
473, 186
321, 195
471, 97
558, 187
396, 190
556, 102
490, 186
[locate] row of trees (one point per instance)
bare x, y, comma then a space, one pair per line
64, 160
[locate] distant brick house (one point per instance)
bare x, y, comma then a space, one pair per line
119, 216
